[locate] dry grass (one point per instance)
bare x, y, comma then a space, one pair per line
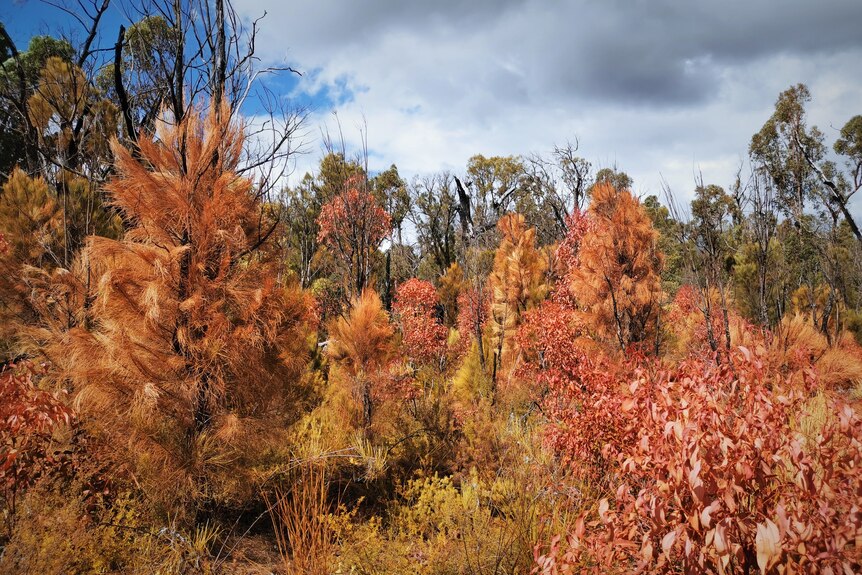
300, 518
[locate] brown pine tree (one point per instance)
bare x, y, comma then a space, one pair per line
184, 349
362, 344
517, 283
617, 282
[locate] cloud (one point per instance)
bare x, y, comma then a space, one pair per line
660, 88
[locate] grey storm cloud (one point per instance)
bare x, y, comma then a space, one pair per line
664, 89
661, 52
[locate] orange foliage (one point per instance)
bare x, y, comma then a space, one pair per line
687, 319
517, 283
451, 284
617, 279
362, 344
180, 343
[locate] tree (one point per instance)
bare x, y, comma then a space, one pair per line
559, 185
713, 212
183, 342
668, 229
141, 74
42, 232
362, 344
613, 177
848, 145
433, 213
302, 205
31, 225
760, 227
64, 98
451, 285
391, 192
19, 75
517, 283
353, 225
618, 281
496, 184
793, 157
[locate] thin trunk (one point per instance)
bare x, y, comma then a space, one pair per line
179, 70
122, 97
478, 330
761, 289
617, 318
498, 356
387, 283
724, 315
220, 59
827, 313
367, 405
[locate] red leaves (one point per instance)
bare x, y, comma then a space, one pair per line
350, 212
473, 308
422, 336
352, 224
28, 417
711, 472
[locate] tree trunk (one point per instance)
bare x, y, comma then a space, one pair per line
219, 76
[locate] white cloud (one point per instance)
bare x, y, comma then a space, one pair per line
657, 89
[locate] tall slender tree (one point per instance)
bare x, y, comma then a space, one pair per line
516, 284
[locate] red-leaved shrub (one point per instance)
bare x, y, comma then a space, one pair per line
706, 469
423, 338
28, 418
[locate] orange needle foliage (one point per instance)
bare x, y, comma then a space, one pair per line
617, 282
183, 345
517, 283
362, 344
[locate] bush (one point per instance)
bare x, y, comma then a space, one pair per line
706, 470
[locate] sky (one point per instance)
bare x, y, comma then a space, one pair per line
661, 89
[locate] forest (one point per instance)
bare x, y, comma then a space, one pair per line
519, 367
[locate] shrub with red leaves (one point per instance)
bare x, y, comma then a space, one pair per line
706, 470
28, 419
423, 338
473, 308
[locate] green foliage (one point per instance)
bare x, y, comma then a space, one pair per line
668, 244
